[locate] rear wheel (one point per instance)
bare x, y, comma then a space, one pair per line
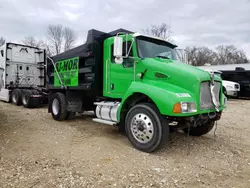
59, 107
16, 97
145, 127
26, 99
200, 130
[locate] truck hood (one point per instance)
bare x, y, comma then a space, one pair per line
176, 69
178, 73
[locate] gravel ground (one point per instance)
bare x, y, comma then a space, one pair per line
36, 151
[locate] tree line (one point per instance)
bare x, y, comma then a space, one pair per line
61, 38
221, 55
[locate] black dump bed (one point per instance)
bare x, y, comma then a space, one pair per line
81, 68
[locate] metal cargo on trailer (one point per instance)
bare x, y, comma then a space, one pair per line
23, 75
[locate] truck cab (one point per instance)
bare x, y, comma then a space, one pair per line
144, 90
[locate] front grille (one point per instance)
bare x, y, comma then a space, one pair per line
236, 86
206, 102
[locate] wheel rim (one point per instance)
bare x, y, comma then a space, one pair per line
55, 106
142, 128
25, 99
14, 98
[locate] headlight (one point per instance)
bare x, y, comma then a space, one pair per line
184, 107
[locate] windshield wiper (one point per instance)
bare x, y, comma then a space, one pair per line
162, 56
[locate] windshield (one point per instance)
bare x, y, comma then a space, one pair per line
150, 48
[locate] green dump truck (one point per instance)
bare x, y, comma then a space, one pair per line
135, 82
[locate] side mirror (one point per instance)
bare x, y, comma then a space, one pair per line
118, 46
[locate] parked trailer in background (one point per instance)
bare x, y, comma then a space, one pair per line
239, 73
23, 75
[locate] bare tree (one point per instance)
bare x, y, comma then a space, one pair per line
55, 34
69, 38
200, 56
163, 31
229, 54
2, 41
182, 55
191, 53
31, 41
241, 57
60, 38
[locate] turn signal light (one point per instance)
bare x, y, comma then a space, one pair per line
177, 108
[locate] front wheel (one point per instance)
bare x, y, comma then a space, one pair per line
146, 129
200, 130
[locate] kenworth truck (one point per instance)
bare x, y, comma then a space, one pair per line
23, 75
135, 82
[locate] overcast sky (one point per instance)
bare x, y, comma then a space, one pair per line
194, 22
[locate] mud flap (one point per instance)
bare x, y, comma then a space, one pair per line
74, 101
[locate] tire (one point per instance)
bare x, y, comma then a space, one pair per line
150, 132
59, 107
201, 130
16, 97
26, 99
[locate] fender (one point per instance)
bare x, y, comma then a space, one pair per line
163, 98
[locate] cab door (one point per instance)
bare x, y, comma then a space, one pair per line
120, 75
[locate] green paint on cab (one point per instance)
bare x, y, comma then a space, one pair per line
123, 80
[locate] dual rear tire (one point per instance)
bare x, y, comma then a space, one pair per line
16, 97
23, 97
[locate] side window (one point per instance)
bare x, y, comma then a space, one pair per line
126, 62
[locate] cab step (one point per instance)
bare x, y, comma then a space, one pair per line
104, 121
